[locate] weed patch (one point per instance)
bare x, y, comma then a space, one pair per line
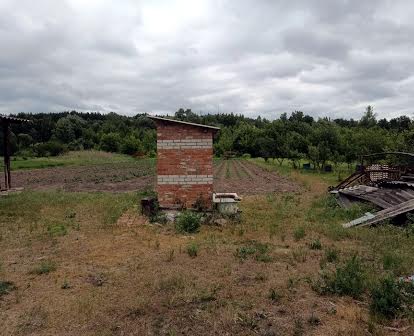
391, 298
299, 233
315, 245
55, 230
255, 249
192, 250
45, 267
393, 261
331, 254
6, 287
188, 222
348, 279
274, 296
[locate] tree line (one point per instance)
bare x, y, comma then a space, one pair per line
290, 137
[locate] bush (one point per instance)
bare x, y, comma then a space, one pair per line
348, 279
110, 142
51, 148
131, 145
387, 298
188, 222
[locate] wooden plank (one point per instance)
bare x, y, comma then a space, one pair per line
381, 215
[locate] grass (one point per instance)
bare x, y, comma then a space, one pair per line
6, 287
255, 276
253, 249
45, 267
332, 178
192, 250
347, 279
36, 214
74, 158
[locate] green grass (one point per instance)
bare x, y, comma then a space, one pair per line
45, 267
75, 158
333, 178
34, 214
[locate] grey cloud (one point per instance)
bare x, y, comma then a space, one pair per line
314, 43
327, 58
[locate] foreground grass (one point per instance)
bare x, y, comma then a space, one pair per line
74, 158
88, 263
30, 215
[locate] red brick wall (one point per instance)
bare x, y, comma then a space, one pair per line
184, 165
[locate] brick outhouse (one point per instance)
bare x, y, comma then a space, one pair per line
184, 164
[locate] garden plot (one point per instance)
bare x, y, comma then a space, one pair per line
117, 177
247, 178
239, 176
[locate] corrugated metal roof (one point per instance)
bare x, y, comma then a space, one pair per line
184, 122
13, 119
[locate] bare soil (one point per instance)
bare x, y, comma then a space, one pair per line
114, 177
242, 177
246, 178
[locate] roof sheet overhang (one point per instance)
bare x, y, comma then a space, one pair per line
213, 128
12, 120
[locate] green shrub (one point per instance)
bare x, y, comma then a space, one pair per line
299, 233
111, 142
188, 222
131, 145
192, 250
46, 266
387, 298
51, 148
316, 244
348, 279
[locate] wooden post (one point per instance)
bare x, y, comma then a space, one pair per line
6, 142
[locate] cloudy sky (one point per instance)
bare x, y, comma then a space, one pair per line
258, 57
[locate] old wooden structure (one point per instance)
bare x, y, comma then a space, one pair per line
5, 122
184, 164
387, 182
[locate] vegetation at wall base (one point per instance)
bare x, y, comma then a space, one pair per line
188, 222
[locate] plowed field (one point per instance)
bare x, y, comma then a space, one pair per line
240, 176
246, 178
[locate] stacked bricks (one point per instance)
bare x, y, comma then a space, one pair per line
184, 164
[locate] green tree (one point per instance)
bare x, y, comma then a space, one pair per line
111, 142
69, 128
131, 145
369, 119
